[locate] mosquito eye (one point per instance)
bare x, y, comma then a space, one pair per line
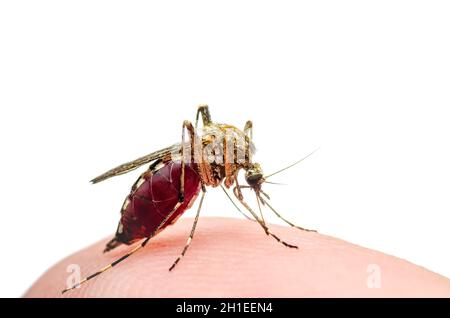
253, 178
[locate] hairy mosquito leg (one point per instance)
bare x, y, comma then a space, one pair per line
124, 257
264, 202
280, 240
266, 229
204, 110
260, 210
206, 116
282, 218
187, 125
191, 236
268, 232
248, 129
238, 188
235, 205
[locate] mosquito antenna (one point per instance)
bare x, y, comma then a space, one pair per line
295, 163
276, 183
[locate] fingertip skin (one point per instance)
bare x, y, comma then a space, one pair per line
234, 258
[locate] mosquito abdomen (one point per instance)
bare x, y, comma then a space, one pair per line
155, 195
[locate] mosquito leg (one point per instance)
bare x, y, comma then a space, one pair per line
266, 229
134, 250
260, 210
235, 205
248, 129
206, 116
187, 125
191, 236
254, 220
282, 218
154, 165
237, 190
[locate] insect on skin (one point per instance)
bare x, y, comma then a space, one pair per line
213, 156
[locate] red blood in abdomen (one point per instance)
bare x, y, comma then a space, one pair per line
155, 198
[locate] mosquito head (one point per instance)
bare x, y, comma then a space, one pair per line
254, 176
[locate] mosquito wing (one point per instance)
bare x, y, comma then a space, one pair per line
164, 154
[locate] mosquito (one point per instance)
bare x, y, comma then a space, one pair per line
212, 157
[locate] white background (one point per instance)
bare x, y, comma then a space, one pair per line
87, 85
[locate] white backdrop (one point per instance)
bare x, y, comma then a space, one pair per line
87, 85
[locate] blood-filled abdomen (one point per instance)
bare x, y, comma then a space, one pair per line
154, 196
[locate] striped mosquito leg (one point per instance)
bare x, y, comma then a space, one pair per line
248, 129
206, 116
186, 125
104, 269
255, 216
280, 240
260, 210
282, 218
191, 236
134, 250
235, 205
